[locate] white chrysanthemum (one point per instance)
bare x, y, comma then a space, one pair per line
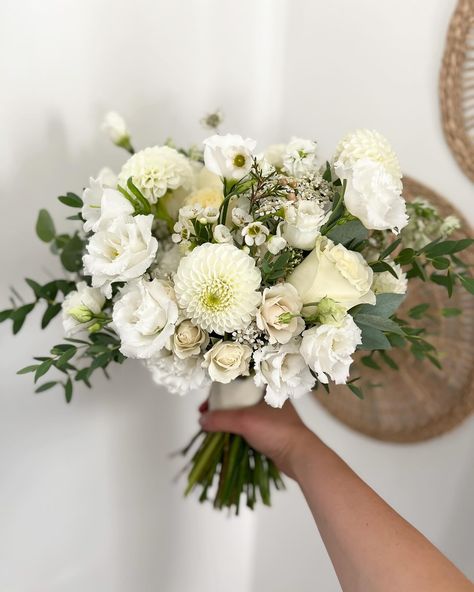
155, 170
179, 376
216, 284
385, 283
365, 143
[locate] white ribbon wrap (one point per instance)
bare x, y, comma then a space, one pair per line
237, 394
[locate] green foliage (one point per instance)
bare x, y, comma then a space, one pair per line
381, 266
418, 311
45, 226
348, 232
275, 267
71, 199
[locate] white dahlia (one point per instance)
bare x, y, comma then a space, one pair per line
155, 170
365, 143
216, 284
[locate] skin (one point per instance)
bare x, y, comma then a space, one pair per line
372, 548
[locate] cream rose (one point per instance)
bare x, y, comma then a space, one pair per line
227, 360
333, 271
188, 340
278, 302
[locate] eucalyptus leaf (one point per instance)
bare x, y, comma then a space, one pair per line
45, 226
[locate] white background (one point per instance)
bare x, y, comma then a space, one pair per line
87, 500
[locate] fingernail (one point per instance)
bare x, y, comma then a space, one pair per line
203, 407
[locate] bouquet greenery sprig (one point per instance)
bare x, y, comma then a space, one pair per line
217, 264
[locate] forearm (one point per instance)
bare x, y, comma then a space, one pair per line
372, 548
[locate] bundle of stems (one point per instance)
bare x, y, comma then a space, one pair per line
225, 468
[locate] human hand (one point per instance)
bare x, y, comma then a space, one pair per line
278, 433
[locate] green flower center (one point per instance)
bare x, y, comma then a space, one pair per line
239, 160
217, 295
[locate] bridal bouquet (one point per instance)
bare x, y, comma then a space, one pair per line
260, 273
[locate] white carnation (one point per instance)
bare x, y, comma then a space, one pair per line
179, 376
384, 282
122, 251
302, 225
217, 286
229, 156
79, 308
299, 158
227, 360
328, 349
282, 369
156, 170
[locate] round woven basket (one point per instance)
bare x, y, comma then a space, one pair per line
456, 86
418, 401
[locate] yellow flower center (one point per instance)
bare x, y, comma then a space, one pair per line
239, 160
217, 295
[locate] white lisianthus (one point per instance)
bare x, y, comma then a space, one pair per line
156, 170
384, 282
255, 233
229, 156
107, 177
282, 369
222, 234
80, 307
299, 158
279, 313
275, 154
367, 162
217, 286
226, 360
115, 127
302, 225
336, 272
328, 349
188, 339
144, 317
102, 204
122, 251
179, 376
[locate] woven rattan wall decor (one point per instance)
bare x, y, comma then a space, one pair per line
419, 401
457, 86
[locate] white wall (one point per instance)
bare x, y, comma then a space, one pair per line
87, 500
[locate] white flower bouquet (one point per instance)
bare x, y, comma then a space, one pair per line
261, 273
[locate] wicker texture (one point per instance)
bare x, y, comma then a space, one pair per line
457, 86
419, 401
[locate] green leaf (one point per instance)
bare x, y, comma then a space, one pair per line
373, 339
405, 256
71, 199
417, 312
356, 390
19, 315
370, 362
448, 247
467, 282
451, 312
389, 361
68, 390
27, 369
46, 386
441, 263
391, 247
65, 357
43, 368
349, 232
45, 226
50, 313
386, 305
34, 286
380, 323
381, 266
71, 255
5, 314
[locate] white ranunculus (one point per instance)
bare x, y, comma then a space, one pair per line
188, 339
328, 349
101, 204
79, 308
227, 360
122, 251
282, 369
333, 271
299, 158
229, 156
115, 127
179, 376
278, 302
144, 317
385, 283
373, 195
302, 225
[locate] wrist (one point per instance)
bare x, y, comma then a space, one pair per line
304, 454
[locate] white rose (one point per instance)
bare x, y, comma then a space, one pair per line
122, 251
283, 371
179, 376
102, 204
333, 271
144, 317
373, 195
115, 127
299, 158
281, 299
384, 282
222, 234
328, 349
227, 360
188, 339
228, 156
303, 221
79, 308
